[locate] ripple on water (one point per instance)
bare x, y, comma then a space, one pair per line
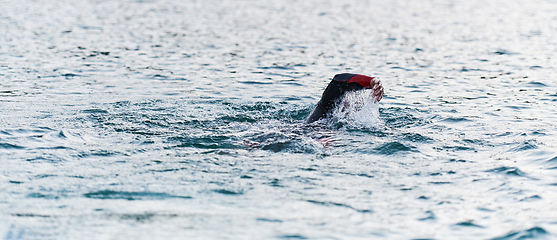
6, 145
511, 171
396, 117
203, 142
194, 97
532, 233
469, 223
392, 148
110, 194
524, 146
551, 163
228, 192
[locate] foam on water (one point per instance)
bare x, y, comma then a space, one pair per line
357, 109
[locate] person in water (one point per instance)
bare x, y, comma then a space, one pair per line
335, 91
340, 85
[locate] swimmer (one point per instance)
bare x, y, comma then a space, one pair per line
341, 84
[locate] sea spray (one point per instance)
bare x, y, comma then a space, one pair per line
357, 109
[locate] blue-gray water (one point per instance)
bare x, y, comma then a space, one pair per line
184, 120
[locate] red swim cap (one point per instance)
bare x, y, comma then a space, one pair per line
362, 80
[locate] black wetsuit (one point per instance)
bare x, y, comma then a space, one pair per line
340, 84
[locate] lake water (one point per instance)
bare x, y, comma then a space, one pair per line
184, 120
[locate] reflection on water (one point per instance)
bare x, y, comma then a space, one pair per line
185, 119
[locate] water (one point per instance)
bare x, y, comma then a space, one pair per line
184, 119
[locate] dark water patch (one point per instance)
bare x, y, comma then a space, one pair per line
228, 192
62, 135
258, 106
45, 176
255, 82
535, 83
45, 158
109, 194
31, 215
288, 66
393, 148
292, 82
309, 169
287, 138
552, 163
160, 77
122, 104
440, 183
469, 223
68, 75
204, 142
401, 68
456, 119
479, 142
485, 209
99, 153
517, 107
156, 122
503, 52
279, 146
356, 174
339, 205
275, 183
15, 182
169, 170
416, 137
292, 113
44, 196
375, 133
4, 132
150, 104
238, 118
293, 236
429, 216
138, 131
205, 100
524, 146
531, 198
10, 146
538, 133
261, 111
269, 220
95, 111
145, 217
139, 217
532, 233
395, 117
365, 175
458, 148
511, 171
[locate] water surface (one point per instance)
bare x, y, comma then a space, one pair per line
184, 119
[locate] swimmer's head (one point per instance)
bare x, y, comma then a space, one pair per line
358, 82
363, 81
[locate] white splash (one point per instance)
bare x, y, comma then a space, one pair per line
358, 109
